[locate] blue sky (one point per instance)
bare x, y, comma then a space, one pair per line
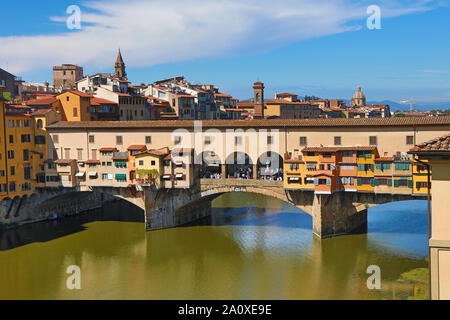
320, 47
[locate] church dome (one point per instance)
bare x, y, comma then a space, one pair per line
359, 94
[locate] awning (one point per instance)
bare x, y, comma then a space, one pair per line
294, 179
166, 177
92, 174
179, 176
80, 174
121, 177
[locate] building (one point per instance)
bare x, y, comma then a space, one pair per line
436, 152
131, 104
284, 106
149, 167
66, 76
359, 99
8, 81
23, 150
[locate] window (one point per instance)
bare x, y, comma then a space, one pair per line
119, 140
373, 141
55, 138
91, 139
25, 138
75, 112
337, 141
148, 140
11, 154
237, 141
410, 140
67, 98
141, 162
327, 155
40, 124
66, 153
12, 187
303, 141
27, 173
10, 123
94, 154
153, 163
26, 155
347, 154
39, 139
80, 154
27, 123
270, 140
11, 138
13, 170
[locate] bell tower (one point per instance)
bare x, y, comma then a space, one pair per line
120, 67
258, 88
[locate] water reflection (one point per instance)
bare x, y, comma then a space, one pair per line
251, 248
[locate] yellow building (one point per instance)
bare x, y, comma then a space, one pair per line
24, 150
299, 169
365, 161
420, 177
75, 106
19, 153
149, 167
3, 151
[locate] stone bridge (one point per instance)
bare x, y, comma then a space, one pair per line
333, 215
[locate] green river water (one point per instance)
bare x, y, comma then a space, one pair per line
253, 247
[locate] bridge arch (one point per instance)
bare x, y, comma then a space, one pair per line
239, 165
211, 167
270, 166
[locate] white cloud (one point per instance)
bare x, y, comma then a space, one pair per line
155, 32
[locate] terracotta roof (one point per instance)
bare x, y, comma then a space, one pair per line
441, 144
41, 112
287, 95
273, 123
136, 147
93, 161
97, 101
78, 93
157, 153
42, 101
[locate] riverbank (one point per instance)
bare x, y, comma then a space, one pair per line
48, 205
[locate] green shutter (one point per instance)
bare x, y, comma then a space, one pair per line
387, 166
376, 182
379, 166
410, 184
359, 181
390, 182
396, 183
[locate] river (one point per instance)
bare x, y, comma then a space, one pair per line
253, 247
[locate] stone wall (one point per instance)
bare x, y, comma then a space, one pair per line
48, 205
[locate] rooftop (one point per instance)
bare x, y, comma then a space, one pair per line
273, 123
438, 145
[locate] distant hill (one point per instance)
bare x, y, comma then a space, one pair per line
422, 106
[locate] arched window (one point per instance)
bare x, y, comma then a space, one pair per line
40, 124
